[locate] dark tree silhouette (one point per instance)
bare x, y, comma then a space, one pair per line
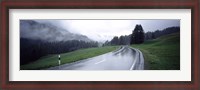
115, 41
153, 36
137, 36
121, 40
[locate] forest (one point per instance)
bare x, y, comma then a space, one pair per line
31, 50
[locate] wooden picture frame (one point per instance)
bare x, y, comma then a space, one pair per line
99, 4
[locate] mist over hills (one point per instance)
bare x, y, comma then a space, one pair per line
31, 29
41, 39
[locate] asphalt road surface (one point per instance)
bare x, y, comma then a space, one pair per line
124, 58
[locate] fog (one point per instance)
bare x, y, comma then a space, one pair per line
102, 30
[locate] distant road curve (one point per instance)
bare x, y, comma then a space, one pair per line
124, 58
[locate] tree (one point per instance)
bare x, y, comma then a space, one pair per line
153, 36
115, 41
137, 36
122, 40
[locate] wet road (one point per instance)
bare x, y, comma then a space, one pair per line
124, 58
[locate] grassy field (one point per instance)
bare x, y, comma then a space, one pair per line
162, 53
52, 60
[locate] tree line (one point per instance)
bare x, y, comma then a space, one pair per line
31, 50
138, 36
153, 35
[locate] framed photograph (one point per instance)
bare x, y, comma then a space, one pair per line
145, 44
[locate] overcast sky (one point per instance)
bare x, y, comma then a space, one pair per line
101, 30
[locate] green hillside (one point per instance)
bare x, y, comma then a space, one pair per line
52, 60
162, 53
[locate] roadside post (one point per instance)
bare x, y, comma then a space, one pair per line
59, 62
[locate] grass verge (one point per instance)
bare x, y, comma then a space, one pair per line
162, 53
52, 60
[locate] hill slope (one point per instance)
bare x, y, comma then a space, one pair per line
162, 53
48, 32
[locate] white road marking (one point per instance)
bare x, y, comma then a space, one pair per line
100, 61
